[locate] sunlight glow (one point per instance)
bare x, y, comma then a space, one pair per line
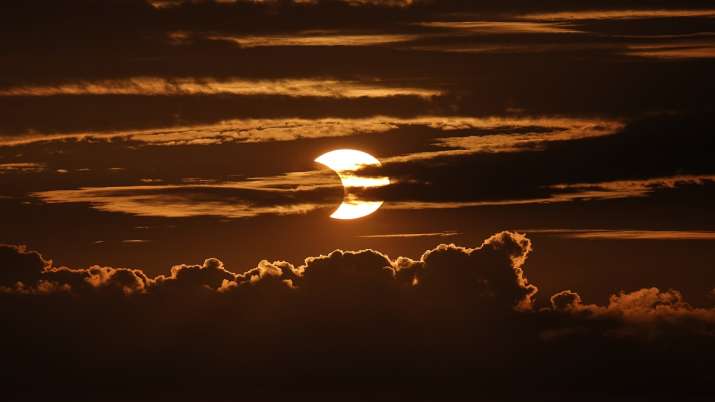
345, 162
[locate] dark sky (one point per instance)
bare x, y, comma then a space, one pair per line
141, 135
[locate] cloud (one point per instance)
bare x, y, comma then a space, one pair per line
491, 276
210, 275
20, 265
500, 27
648, 312
316, 38
235, 86
618, 14
28, 272
521, 135
304, 192
297, 193
447, 233
446, 282
164, 4
492, 273
679, 50
544, 129
626, 188
561, 193
620, 234
23, 167
354, 316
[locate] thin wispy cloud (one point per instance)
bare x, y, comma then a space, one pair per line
627, 188
21, 167
227, 200
680, 50
208, 86
298, 193
561, 193
545, 131
617, 14
447, 233
168, 4
268, 130
315, 38
616, 234
501, 27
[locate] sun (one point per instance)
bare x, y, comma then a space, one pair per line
346, 162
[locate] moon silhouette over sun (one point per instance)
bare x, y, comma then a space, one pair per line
346, 162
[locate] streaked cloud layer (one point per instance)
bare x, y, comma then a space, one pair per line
618, 14
204, 86
316, 38
303, 192
263, 130
500, 27
446, 233
615, 234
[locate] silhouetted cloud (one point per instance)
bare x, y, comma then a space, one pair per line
27, 272
468, 308
647, 312
500, 279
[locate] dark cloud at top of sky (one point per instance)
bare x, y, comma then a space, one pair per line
609, 66
177, 40
454, 318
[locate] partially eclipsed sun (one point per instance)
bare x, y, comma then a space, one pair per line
346, 162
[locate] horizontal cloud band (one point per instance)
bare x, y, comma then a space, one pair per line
454, 319
463, 283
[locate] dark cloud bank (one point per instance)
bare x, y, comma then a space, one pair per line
455, 324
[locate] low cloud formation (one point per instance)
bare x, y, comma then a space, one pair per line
453, 319
648, 312
492, 272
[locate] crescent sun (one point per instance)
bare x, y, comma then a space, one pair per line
345, 162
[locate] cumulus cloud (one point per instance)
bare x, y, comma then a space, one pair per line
356, 317
648, 312
489, 277
29, 272
491, 273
